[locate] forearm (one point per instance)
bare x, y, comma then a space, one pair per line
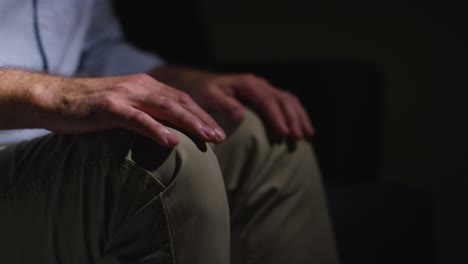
21, 94
81, 105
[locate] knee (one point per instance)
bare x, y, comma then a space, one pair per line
196, 201
190, 170
273, 163
252, 130
255, 140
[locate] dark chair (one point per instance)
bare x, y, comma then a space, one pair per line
374, 222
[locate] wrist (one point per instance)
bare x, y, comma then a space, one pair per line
181, 77
168, 74
23, 98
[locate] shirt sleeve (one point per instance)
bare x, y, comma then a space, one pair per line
107, 52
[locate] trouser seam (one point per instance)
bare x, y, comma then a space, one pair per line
130, 164
170, 229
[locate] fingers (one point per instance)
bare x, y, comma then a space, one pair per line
178, 108
306, 123
283, 109
291, 115
144, 104
166, 104
143, 124
297, 117
212, 129
185, 117
263, 97
279, 118
228, 105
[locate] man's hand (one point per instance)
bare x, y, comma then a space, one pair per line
80, 105
224, 93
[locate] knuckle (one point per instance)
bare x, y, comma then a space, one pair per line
294, 97
268, 101
137, 117
139, 78
142, 76
250, 78
166, 104
288, 96
250, 75
263, 80
213, 87
184, 98
124, 88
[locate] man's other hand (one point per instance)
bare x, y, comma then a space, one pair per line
225, 93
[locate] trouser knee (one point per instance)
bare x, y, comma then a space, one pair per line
274, 182
92, 172
253, 147
195, 200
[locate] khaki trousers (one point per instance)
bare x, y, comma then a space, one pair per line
115, 197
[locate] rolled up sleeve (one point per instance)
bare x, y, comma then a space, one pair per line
107, 52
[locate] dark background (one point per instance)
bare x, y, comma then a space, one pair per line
416, 48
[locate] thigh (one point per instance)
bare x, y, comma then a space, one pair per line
59, 196
82, 199
47, 155
277, 201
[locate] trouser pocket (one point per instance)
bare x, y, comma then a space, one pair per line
139, 228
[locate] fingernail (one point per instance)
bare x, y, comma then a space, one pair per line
170, 138
208, 132
220, 134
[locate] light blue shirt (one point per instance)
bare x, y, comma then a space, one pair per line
68, 38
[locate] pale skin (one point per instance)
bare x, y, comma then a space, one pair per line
143, 104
